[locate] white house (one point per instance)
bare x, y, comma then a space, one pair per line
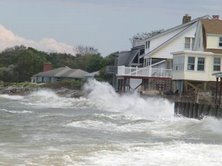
195, 67
188, 54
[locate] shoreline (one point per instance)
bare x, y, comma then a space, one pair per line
23, 91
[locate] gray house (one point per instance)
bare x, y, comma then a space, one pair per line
59, 74
131, 58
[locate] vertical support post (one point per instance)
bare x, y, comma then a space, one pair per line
136, 70
216, 91
220, 92
120, 85
124, 85
148, 71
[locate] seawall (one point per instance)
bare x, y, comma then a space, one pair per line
196, 110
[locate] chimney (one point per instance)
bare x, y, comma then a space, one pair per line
215, 17
186, 19
47, 67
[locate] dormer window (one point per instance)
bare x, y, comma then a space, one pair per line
220, 41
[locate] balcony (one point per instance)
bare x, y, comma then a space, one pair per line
148, 71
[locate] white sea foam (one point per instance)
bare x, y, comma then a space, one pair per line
16, 111
164, 129
99, 125
153, 135
11, 97
155, 154
212, 124
49, 99
104, 96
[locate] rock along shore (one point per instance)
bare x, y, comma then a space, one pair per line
19, 90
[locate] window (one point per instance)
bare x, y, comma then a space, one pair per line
220, 42
189, 43
178, 63
147, 44
200, 64
217, 62
191, 63
193, 40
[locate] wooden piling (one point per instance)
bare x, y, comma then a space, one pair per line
196, 110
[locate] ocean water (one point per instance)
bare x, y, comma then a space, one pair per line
103, 128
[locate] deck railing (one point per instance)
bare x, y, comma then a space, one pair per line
144, 72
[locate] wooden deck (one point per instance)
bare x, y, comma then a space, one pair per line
144, 72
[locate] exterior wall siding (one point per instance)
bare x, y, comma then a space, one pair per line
136, 43
157, 41
176, 45
198, 44
195, 75
212, 42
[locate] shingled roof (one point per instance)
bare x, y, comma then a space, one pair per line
211, 26
126, 57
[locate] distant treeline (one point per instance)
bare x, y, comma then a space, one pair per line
19, 64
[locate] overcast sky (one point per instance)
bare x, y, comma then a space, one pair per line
104, 24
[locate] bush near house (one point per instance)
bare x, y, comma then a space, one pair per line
19, 64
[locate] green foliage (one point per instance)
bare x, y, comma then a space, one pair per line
19, 64
95, 63
110, 60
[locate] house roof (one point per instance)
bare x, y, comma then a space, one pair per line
217, 74
211, 26
64, 72
178, 27
126, 57
183, 28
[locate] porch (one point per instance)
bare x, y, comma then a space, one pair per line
144, 72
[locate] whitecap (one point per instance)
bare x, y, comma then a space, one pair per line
16, 111
11, 97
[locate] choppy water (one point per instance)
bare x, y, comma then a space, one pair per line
103, 128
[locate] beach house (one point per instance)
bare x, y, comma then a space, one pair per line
179, 59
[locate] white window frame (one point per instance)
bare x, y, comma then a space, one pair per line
191, 66
215, 65
200, 66
189, 43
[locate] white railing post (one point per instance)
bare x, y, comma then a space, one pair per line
150, 71
130, 70
136, 70
121, 70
